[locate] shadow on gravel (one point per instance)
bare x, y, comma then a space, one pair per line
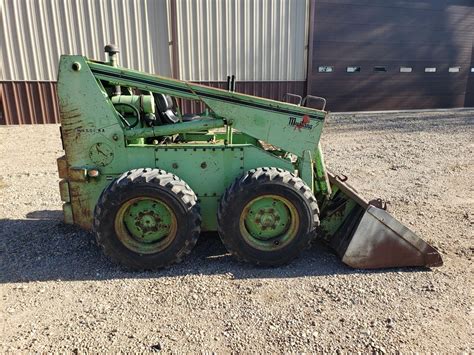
43, 248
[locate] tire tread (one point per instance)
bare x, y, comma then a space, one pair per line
150, 176
256, 177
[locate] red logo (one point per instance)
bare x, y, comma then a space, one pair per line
304, 123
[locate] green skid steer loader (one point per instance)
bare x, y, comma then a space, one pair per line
147, 179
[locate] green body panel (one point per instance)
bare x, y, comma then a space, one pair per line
269, 125
210, 169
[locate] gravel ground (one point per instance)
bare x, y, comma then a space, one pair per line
58, 293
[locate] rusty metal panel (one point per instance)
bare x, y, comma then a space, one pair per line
381, 241
35, 33
28, 102
62, 167
64, 190
254, 40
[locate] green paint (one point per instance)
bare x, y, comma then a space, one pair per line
167, 130
148, 220
145, 225
323, 187
269, 222
267, 218
145, 103
306, 168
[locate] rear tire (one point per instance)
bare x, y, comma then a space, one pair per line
267, 217
147, 219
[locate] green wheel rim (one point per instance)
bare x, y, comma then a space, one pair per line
269, 222
145, 225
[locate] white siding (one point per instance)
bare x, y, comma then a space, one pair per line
254, 39
34, 33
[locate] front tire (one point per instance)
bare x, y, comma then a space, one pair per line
267, 217
147, 219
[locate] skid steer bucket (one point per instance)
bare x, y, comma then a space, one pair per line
366, 236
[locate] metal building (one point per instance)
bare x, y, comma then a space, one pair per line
361, 55
35, 33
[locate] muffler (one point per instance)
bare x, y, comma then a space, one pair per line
366, 236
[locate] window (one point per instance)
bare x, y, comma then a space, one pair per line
430, 70
472, 70
406, 69
380, 69
325, 69
353, 69
454, 69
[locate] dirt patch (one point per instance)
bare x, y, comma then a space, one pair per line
59, 293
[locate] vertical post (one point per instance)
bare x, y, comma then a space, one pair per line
229, 137
112, 50
311, 27
173, 16
232, 84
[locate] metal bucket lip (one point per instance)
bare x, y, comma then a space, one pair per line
381, 241
369, 237
432, 256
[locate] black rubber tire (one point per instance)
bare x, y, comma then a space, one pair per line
157, 183
262, 181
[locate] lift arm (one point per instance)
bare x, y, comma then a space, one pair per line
287, 126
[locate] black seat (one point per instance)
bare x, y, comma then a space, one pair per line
166, 107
